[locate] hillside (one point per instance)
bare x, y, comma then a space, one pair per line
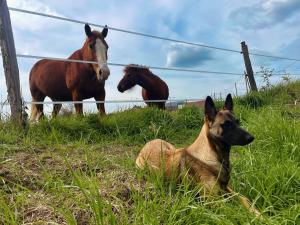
81, 170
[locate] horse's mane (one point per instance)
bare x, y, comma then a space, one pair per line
137, 68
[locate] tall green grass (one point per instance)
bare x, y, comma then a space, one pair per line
81, 170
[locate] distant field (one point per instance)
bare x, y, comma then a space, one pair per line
81, 170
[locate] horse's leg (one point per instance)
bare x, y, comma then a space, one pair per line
100, 106
40, 108
56, 109
78, 106
33, 114
37, 109
145, 97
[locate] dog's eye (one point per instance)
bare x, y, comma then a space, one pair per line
227, 124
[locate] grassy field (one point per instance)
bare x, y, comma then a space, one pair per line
81, 170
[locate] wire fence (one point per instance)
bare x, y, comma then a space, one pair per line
109, 101
150, 67
148, 35
138, 66
141, 66
121, 30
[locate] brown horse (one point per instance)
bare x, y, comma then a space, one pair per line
71, 81
153, 88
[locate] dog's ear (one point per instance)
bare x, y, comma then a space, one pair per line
210, 109
228, 103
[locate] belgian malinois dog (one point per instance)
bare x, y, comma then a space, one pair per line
207, 159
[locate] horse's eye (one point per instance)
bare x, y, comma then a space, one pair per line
91, 46
238, 121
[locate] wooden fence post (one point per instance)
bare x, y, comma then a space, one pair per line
248, 66
10, 64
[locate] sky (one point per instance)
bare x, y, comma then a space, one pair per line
268, 27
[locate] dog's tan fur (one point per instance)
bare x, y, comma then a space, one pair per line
206, 160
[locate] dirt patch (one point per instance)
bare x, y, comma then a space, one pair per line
36, 174
22, 169
42, 214
117, 186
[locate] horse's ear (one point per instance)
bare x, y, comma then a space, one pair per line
228, 103
210, 109
88, 30
104, 31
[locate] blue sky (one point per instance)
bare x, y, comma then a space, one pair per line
268, 26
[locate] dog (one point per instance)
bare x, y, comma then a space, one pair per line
207, 159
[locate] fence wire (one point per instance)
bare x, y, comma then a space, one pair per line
122, 30
179, 101
142, 66
123, 65
147, 35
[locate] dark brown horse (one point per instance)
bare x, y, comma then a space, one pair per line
153, 88
71, 81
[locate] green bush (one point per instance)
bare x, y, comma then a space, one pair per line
253, 100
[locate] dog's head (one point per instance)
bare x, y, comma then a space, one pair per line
223, 127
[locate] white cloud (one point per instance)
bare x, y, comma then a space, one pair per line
29, 22
182, 55
265, 14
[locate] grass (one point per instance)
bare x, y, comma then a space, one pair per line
81, 170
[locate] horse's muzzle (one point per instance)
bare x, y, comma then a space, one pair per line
103, 73
121, 88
